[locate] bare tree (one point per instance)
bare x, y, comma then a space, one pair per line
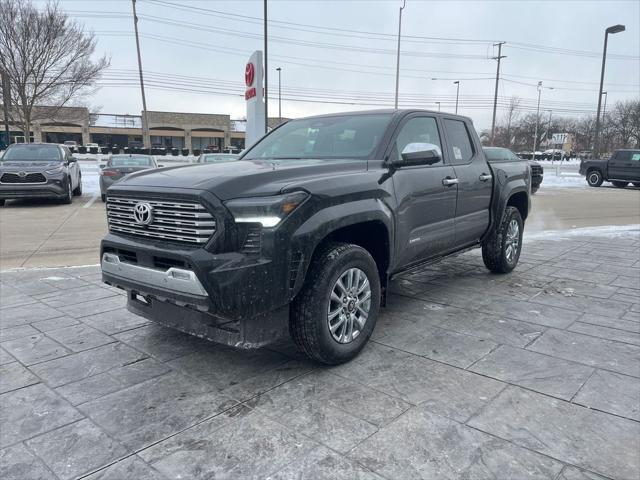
47, 58
511, 116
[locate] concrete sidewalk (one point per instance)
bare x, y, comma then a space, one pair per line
530, 375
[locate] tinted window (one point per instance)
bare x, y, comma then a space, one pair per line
628, 155
497, 154
340, 136
33, 152
132, 161
461, 146
418, 130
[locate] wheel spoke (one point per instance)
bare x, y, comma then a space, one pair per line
349, 305
364, 285
366, 297
337, 325
335, 297
335, 313
341, 286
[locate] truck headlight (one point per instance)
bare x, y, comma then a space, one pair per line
268, 211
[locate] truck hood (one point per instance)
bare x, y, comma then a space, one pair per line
243, 178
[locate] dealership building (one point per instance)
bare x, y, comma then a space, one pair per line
193, 131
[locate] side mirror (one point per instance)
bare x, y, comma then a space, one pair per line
419, 154
160, 166
72, 159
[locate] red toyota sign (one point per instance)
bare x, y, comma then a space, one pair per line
249, 74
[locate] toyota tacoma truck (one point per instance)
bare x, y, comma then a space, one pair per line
622, 168
304, 232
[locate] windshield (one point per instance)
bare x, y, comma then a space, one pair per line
24, 152
130, 161
345, 136
213, 158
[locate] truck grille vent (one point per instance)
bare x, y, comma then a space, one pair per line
28, 178
536, 169
253, 240
125, 255
179, 221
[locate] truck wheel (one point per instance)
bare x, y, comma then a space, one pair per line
534, 190
2, 201
620, 184
594, 178
636, 184
501, 250
335, 312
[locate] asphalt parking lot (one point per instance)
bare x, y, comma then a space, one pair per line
531, 375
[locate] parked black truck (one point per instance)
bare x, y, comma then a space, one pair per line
305, 231
622, 168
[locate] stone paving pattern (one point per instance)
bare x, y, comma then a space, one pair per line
469, 375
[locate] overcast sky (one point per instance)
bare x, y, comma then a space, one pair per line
343, 53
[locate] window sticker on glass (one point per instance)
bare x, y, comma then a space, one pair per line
457, 153
635, 157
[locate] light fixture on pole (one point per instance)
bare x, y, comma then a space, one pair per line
279, 70
611, 30
457, 83
395, 105
438, 103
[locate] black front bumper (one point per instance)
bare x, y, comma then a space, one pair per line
41, 190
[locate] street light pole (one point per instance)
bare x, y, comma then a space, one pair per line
395, 105
457, 82
438, 103
535, 135
610, 30
146, 142
604, 108
266, 76
279, 69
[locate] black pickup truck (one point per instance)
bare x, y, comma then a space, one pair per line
303, 234
622, 168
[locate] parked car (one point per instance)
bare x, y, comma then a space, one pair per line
30, 170
499, 154
71, 143
217, 157
118, 166
304, 232
622, 168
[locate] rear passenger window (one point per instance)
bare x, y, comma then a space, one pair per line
460, 142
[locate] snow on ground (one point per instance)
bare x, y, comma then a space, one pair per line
551, 180
608, 231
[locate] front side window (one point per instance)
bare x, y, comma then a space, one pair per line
460, 143
334, 137
422, 130
26, 152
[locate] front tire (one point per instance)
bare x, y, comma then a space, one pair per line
594, 178
619, 184
334, 314
78, 190
501, 250
636, 184
68, 199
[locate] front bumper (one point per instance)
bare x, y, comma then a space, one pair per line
53, 188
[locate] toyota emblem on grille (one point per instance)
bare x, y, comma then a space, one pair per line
143, 213
22, 174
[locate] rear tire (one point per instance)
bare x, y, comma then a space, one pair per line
636, 184
2, 202
327, 315
594, 178
501, 250
618, 184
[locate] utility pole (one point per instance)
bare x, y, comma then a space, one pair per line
438, 103
145, 130
395, 105
279, 69
266, 73
6, 101
495, 96
457, 82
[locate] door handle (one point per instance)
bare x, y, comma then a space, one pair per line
447, 182
484, 177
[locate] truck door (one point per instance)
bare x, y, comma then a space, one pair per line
474, 182
624, 165
425, 197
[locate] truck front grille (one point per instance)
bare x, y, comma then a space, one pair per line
28, 178
178, 221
